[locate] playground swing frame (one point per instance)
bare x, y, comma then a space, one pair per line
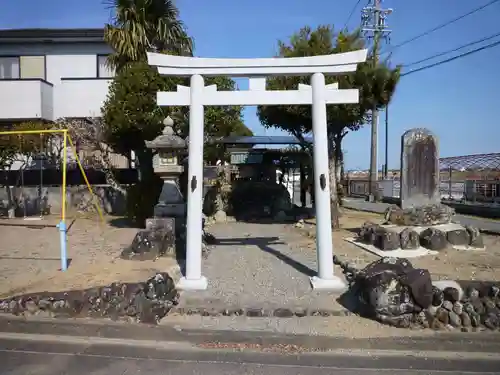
62, 228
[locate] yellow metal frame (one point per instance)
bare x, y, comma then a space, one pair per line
66, 139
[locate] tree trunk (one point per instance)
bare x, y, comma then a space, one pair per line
339, 163
303, 200
145, 158
110, 177
339, 157
334, 203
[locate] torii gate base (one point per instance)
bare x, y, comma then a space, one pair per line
198, 95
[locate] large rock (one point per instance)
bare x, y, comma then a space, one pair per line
220, 217
476, 239
150, 244
446, 284
433, 239
367, 233
458, 237
391, 291
409, 239
386, 240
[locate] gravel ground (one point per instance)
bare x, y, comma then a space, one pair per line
30, 258
257, 265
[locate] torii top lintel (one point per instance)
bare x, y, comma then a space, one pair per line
187, 66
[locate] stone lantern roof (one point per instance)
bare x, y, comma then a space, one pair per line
168, 140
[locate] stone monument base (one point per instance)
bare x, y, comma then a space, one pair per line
164, 237
390, 237
431, 214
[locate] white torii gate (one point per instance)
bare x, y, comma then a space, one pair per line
198, 95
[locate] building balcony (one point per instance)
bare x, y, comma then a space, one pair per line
26, 99
81, 97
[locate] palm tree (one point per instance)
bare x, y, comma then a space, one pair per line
139, 26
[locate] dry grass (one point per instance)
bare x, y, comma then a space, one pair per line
448, 264
30, 257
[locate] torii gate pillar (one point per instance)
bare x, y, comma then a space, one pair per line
324, 244
318, 94
193, 280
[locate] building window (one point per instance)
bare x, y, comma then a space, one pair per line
9, 67
103, 71
32, 67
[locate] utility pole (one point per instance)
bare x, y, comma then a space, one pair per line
374, 27
386, 169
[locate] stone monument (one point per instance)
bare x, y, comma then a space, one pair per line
419, 169
421, 220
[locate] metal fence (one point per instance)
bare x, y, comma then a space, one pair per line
481, 191
466, 178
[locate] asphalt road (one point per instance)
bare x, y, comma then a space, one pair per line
34, 357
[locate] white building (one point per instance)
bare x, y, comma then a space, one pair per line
46, 74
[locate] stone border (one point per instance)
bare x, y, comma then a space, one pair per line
281, 312
146, 302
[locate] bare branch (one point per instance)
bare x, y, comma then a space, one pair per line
89, 135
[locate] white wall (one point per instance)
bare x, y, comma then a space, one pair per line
68, 98
81, 98
26, 99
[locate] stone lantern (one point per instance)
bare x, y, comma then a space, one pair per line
164, 232
165, 163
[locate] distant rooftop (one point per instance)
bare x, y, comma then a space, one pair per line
261, 140
51, 35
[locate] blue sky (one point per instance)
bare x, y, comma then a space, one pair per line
457, 101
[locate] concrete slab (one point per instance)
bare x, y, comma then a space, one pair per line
399, 253
442, 227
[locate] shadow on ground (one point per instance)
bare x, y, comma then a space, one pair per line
122, 222
258, 216
265, 244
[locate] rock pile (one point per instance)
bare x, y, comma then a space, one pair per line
146, 302
389, 238
475, 310
391, 291
432, 214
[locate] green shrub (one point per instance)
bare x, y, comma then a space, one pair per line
259, 198
141, 199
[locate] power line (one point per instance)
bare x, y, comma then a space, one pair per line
488, 46
452, 50
351, 14
443, 25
